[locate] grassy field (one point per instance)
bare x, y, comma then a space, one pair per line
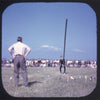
49, 82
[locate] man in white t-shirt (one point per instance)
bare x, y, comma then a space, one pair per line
19, 51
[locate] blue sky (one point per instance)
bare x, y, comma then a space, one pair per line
42, 26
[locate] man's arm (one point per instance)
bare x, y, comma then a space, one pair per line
11, 53
64, 61
27, 53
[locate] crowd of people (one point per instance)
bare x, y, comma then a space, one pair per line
56, 63
52, 63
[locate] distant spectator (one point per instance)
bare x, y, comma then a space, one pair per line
39, 62
62, 64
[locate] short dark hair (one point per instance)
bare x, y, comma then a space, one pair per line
19, 39
61, 56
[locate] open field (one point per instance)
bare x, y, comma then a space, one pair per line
49, 82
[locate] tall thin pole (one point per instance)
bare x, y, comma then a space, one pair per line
65, 39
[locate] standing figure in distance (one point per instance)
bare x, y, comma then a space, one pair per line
62, 64
18, 51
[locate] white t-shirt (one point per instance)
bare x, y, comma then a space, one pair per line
19, 48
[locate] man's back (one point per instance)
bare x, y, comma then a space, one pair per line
19, 48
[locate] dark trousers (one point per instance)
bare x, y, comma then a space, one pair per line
61, 66
19, 63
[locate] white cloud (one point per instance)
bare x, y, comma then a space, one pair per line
51, 47
78, 50
45, 46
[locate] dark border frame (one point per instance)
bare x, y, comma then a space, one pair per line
95, 4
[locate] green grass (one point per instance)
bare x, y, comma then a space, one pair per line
49, 82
